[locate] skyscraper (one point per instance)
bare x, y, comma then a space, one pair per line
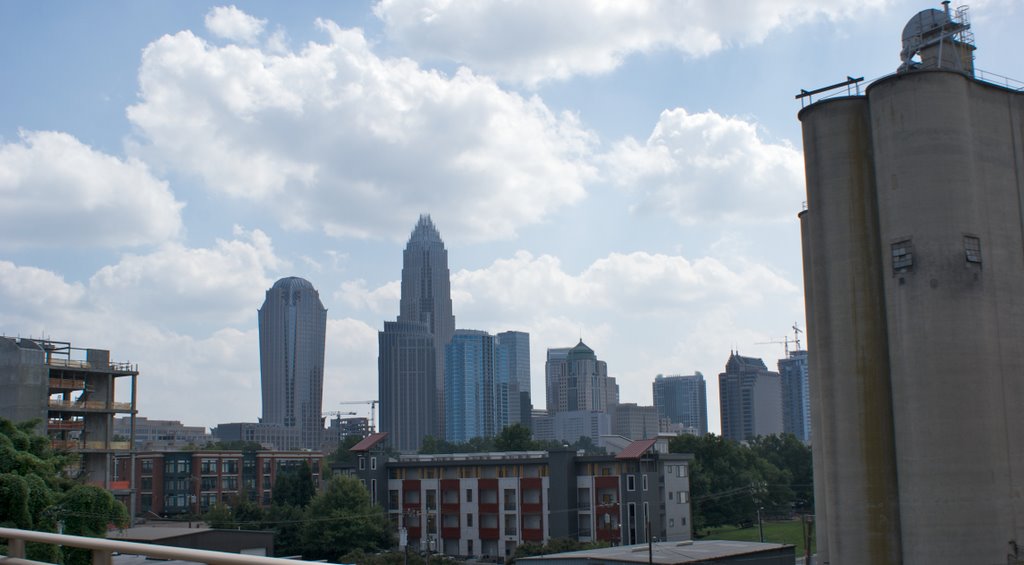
407, 383
484, 378
683, 400
293, 326
796, 397
513, 379
578, 380
750, 397
426, 299
471, 394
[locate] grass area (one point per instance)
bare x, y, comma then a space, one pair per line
788, 531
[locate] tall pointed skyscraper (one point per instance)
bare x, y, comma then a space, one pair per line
426, 299
293, 326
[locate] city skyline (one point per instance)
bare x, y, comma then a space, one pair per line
163, 164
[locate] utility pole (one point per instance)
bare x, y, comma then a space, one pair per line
760, 523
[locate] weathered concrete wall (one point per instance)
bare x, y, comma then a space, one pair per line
948, 167
24, 381
855, 468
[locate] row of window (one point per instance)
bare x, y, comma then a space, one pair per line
209, 466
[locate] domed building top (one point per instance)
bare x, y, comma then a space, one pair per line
292, 283
581, 351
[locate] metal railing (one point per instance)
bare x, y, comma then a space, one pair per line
103, 549
59, 404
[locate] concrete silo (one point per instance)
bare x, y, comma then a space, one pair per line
914, 278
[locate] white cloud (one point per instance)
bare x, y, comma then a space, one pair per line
382, 300
335, 138
233, 24
57, 191
532, 40
705, 167
183, 287
350, 371
24, 290
643, 313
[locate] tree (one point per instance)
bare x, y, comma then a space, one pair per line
36, 493
729, 481
789, 454
516, 437
294, 486
342, 519
287, 522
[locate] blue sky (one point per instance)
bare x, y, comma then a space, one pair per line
628, 172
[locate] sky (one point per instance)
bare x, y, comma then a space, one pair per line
628, 173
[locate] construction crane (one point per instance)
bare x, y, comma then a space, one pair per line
796, 335
373, 411
785, 341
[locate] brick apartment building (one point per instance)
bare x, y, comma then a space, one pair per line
486, 504
172, 483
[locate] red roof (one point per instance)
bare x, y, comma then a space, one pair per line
370, 441
636, 449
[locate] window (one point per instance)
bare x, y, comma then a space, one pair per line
229, 483
208, 483
682, 470
208, 466
671, 522
147, 483
902, 256
393, 500
230, 466
972, 249
683, 497
671, 495
645, 482
469, 495
431, 499
373, 491
469, 546
266, 465
362, 463
630, 482
373, 463
147, 466
510, 499
469, 520
146, 502
266, 482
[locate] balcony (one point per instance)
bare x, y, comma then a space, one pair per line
89, 405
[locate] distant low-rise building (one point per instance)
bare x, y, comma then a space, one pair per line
636, 422
160, 434
269, 436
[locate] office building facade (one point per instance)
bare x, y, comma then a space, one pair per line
796, 395
514, 398
407, 384
750, 398
293, 328
470, 387
682, 399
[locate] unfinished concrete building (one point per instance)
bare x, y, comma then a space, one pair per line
70, 392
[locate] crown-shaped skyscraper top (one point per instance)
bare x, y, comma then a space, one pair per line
425, 231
